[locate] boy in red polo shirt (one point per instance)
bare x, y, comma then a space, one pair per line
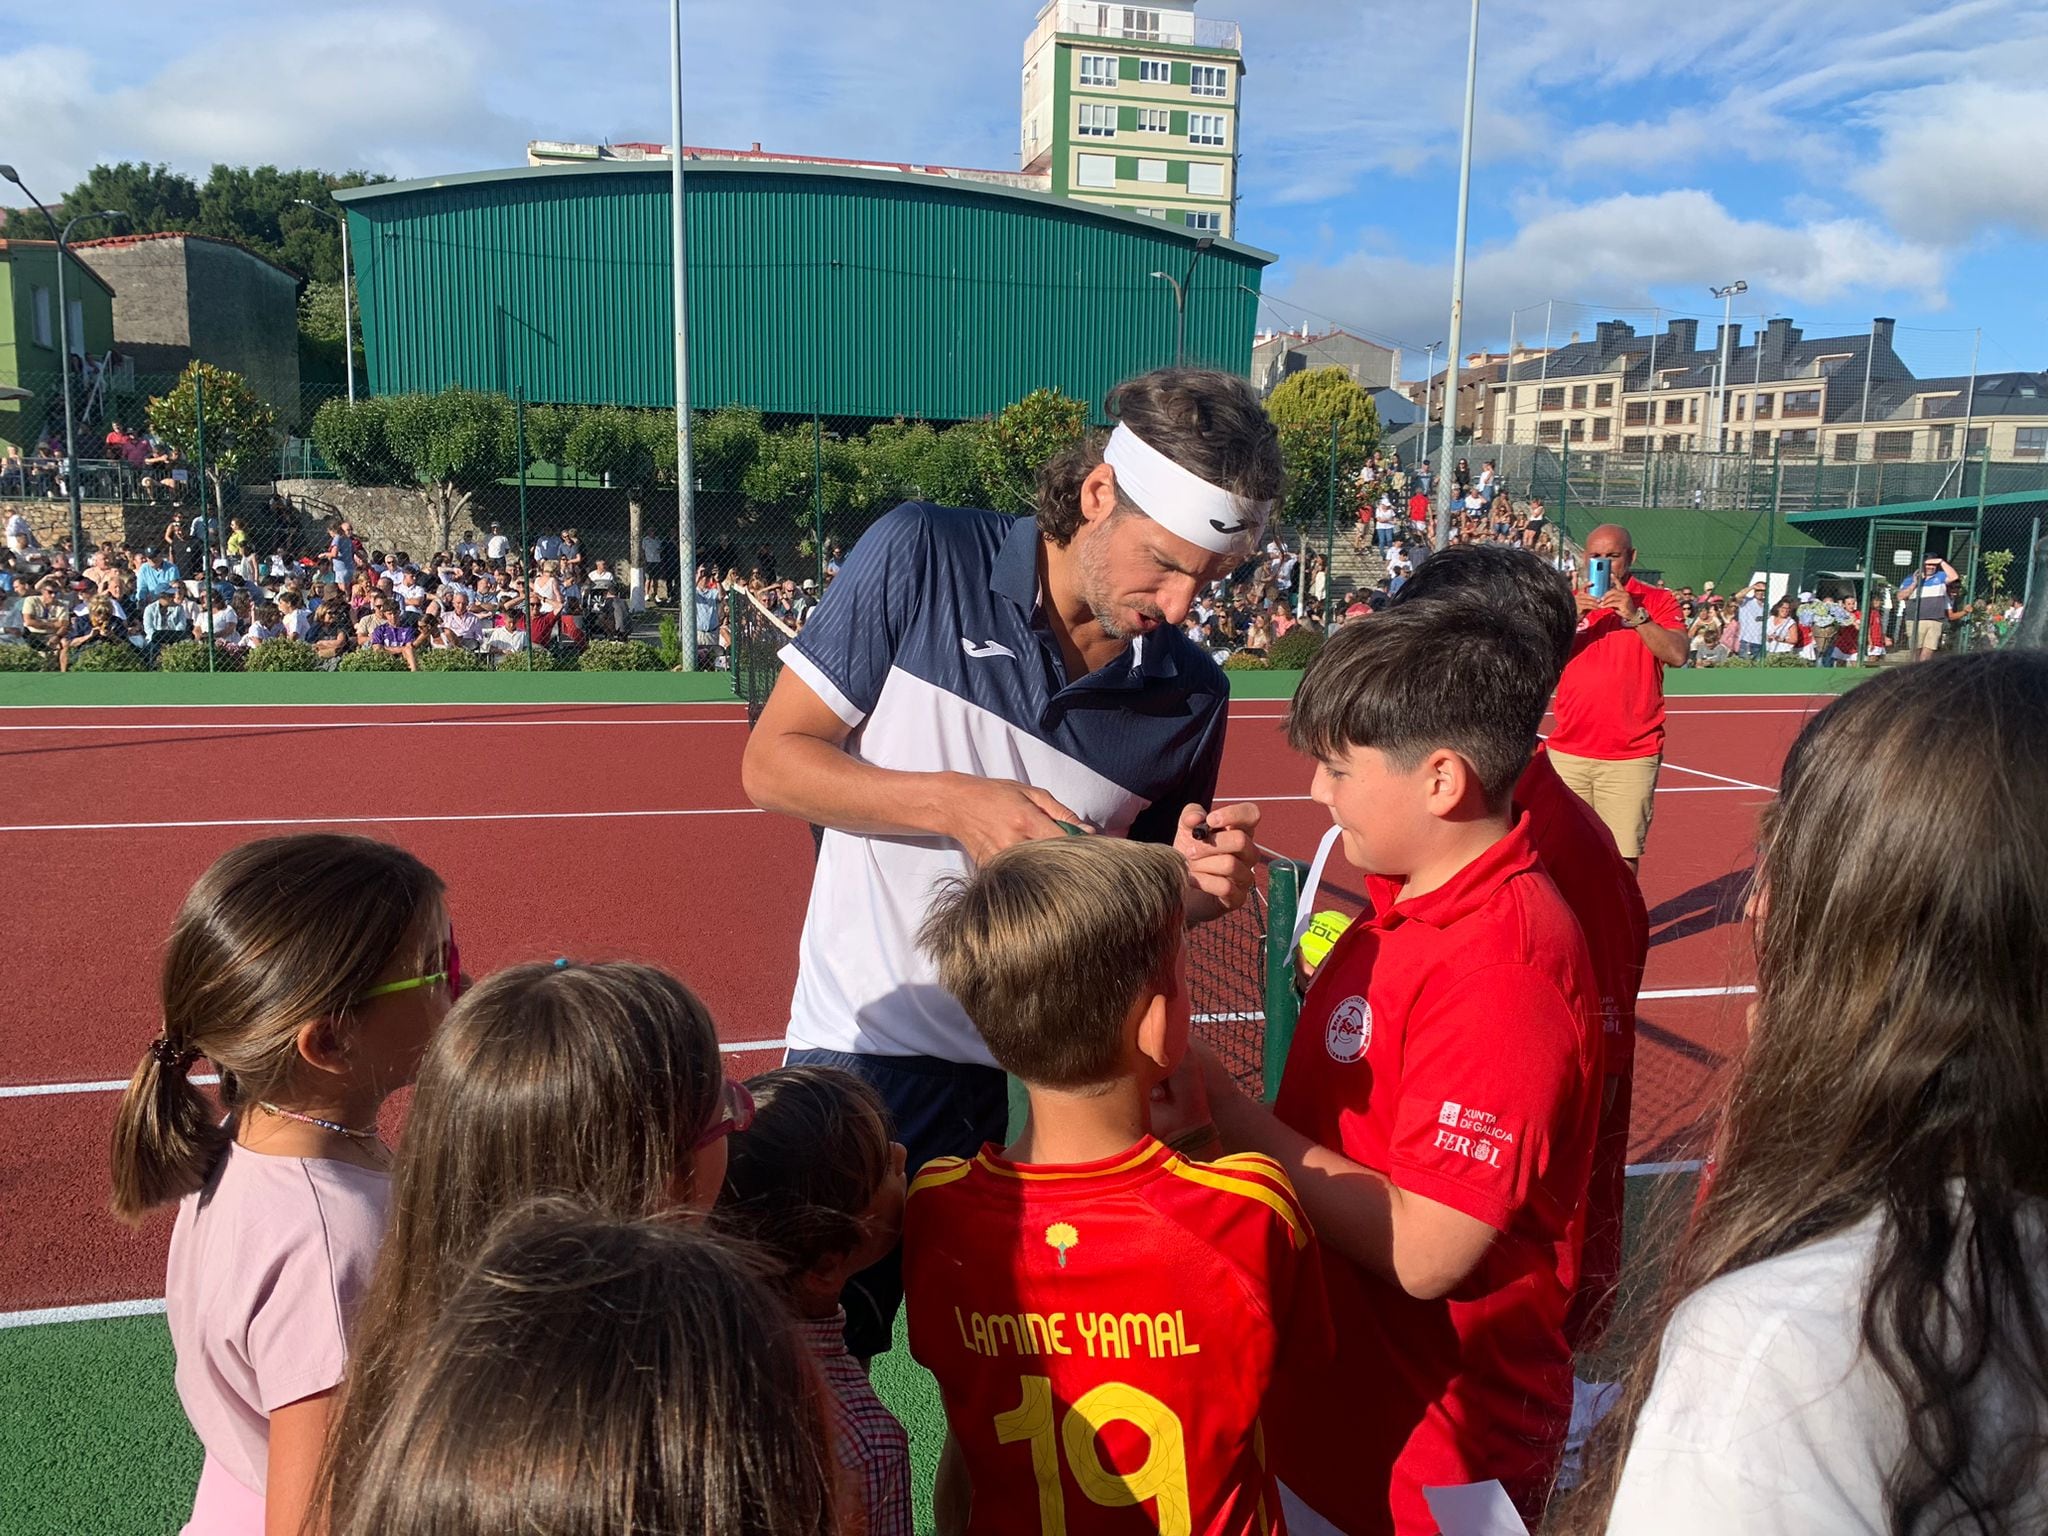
1579, 855
1440, 1103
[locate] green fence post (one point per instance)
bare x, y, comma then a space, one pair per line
199, 482
1283, 1006
1329, 541
1863, 608
525, 538
818, 494
1771, 536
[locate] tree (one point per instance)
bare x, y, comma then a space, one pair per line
154, 198
1305, 407
451, 444
240, 427
351, 439
1023, 436
634, 451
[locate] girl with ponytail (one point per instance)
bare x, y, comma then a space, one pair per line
309, 972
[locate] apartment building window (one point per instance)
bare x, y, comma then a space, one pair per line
1155, 72
1734, 442
1603, 396
1207, 223
1140, 25
1738, 407
1893, 445
1944, 441
1673, 442
1763, 407
1798, 440
1760, 445
2030, 443
1848, 445
1208, 80
1549, 431
1097, 121
1692, 411
1095, 170
1578, 429
1636, 444
1152, 170
1578, 397
1674, 413
1636, 413
1152, 119
1600, 428
1205, 127
1931, 405
1098, 69
1800, 402
1205, 179
1551, 399
1979, 436
41, 302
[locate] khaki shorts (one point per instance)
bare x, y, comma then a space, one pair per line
1621, 791
1927, 634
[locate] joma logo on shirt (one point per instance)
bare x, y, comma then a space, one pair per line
1349, 1031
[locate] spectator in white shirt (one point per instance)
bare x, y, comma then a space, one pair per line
292, 614
467, 550
1855, 1324
497, 547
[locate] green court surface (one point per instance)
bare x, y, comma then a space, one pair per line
92, 1438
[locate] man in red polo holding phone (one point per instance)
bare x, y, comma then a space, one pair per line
1608, 739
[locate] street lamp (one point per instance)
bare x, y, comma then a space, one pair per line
1727, 297
64, 355
1428, 393
348, 346
1180, 298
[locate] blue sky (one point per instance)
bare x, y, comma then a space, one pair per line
1845, 157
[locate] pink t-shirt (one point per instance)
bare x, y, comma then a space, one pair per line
267, 1263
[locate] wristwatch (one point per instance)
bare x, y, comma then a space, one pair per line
1642, 617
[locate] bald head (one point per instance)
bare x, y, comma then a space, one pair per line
1611, 541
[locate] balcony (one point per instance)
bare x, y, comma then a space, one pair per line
1134, 24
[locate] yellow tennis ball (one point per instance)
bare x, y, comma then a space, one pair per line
1324, 930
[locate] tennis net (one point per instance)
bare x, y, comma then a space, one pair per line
1240, 968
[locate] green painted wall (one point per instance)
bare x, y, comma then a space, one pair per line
858, 293
24, 267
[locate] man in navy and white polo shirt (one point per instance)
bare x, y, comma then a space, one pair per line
972, 680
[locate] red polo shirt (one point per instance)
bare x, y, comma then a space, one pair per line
1579, 855
1610, 701
1450, 1043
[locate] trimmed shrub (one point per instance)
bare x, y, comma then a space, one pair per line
23, 658
1245, 661
186, 656
619, 656
671, 647
367, 660
528, 661
1295, 649
454, 659
110, 658
283, 654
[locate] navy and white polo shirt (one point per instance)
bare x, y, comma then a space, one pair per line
931, 645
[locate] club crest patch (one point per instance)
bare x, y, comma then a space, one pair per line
1349, 1031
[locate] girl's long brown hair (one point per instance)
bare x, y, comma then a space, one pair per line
589, 1376
1897, 1067
277, 933
584, 1082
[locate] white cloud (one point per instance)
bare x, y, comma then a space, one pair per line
1955, 159
1615, 252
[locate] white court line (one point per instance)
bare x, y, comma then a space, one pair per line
1722, 778
110, 1085
1651, 1170
1643, 997
369, 821
96, 1312
356, 725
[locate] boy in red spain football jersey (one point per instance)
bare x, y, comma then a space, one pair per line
1439, 1106
1105, 1318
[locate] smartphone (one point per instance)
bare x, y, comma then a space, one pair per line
1599, 575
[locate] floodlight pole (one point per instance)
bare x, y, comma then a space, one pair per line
686, 480
1443, 510
348, 345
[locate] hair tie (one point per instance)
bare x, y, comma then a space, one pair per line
561, 962
170, 1057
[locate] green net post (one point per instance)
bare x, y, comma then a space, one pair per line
1283, 1007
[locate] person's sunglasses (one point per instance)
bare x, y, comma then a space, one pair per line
735, 1113
450, 974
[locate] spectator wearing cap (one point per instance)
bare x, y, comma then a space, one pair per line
1609, 737
1929, 594
1749, 620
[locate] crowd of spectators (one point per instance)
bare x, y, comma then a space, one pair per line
131, 465
339, 596
1824, 630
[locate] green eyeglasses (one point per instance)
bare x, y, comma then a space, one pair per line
451, 974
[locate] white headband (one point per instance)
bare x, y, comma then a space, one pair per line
1180, 501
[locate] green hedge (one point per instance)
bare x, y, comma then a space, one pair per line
1245, 661
619, 656
109, 658
283, 654
184, 656
23, 658
367, 660
529, 660
1295, 649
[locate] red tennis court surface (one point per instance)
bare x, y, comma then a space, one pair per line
604, 831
